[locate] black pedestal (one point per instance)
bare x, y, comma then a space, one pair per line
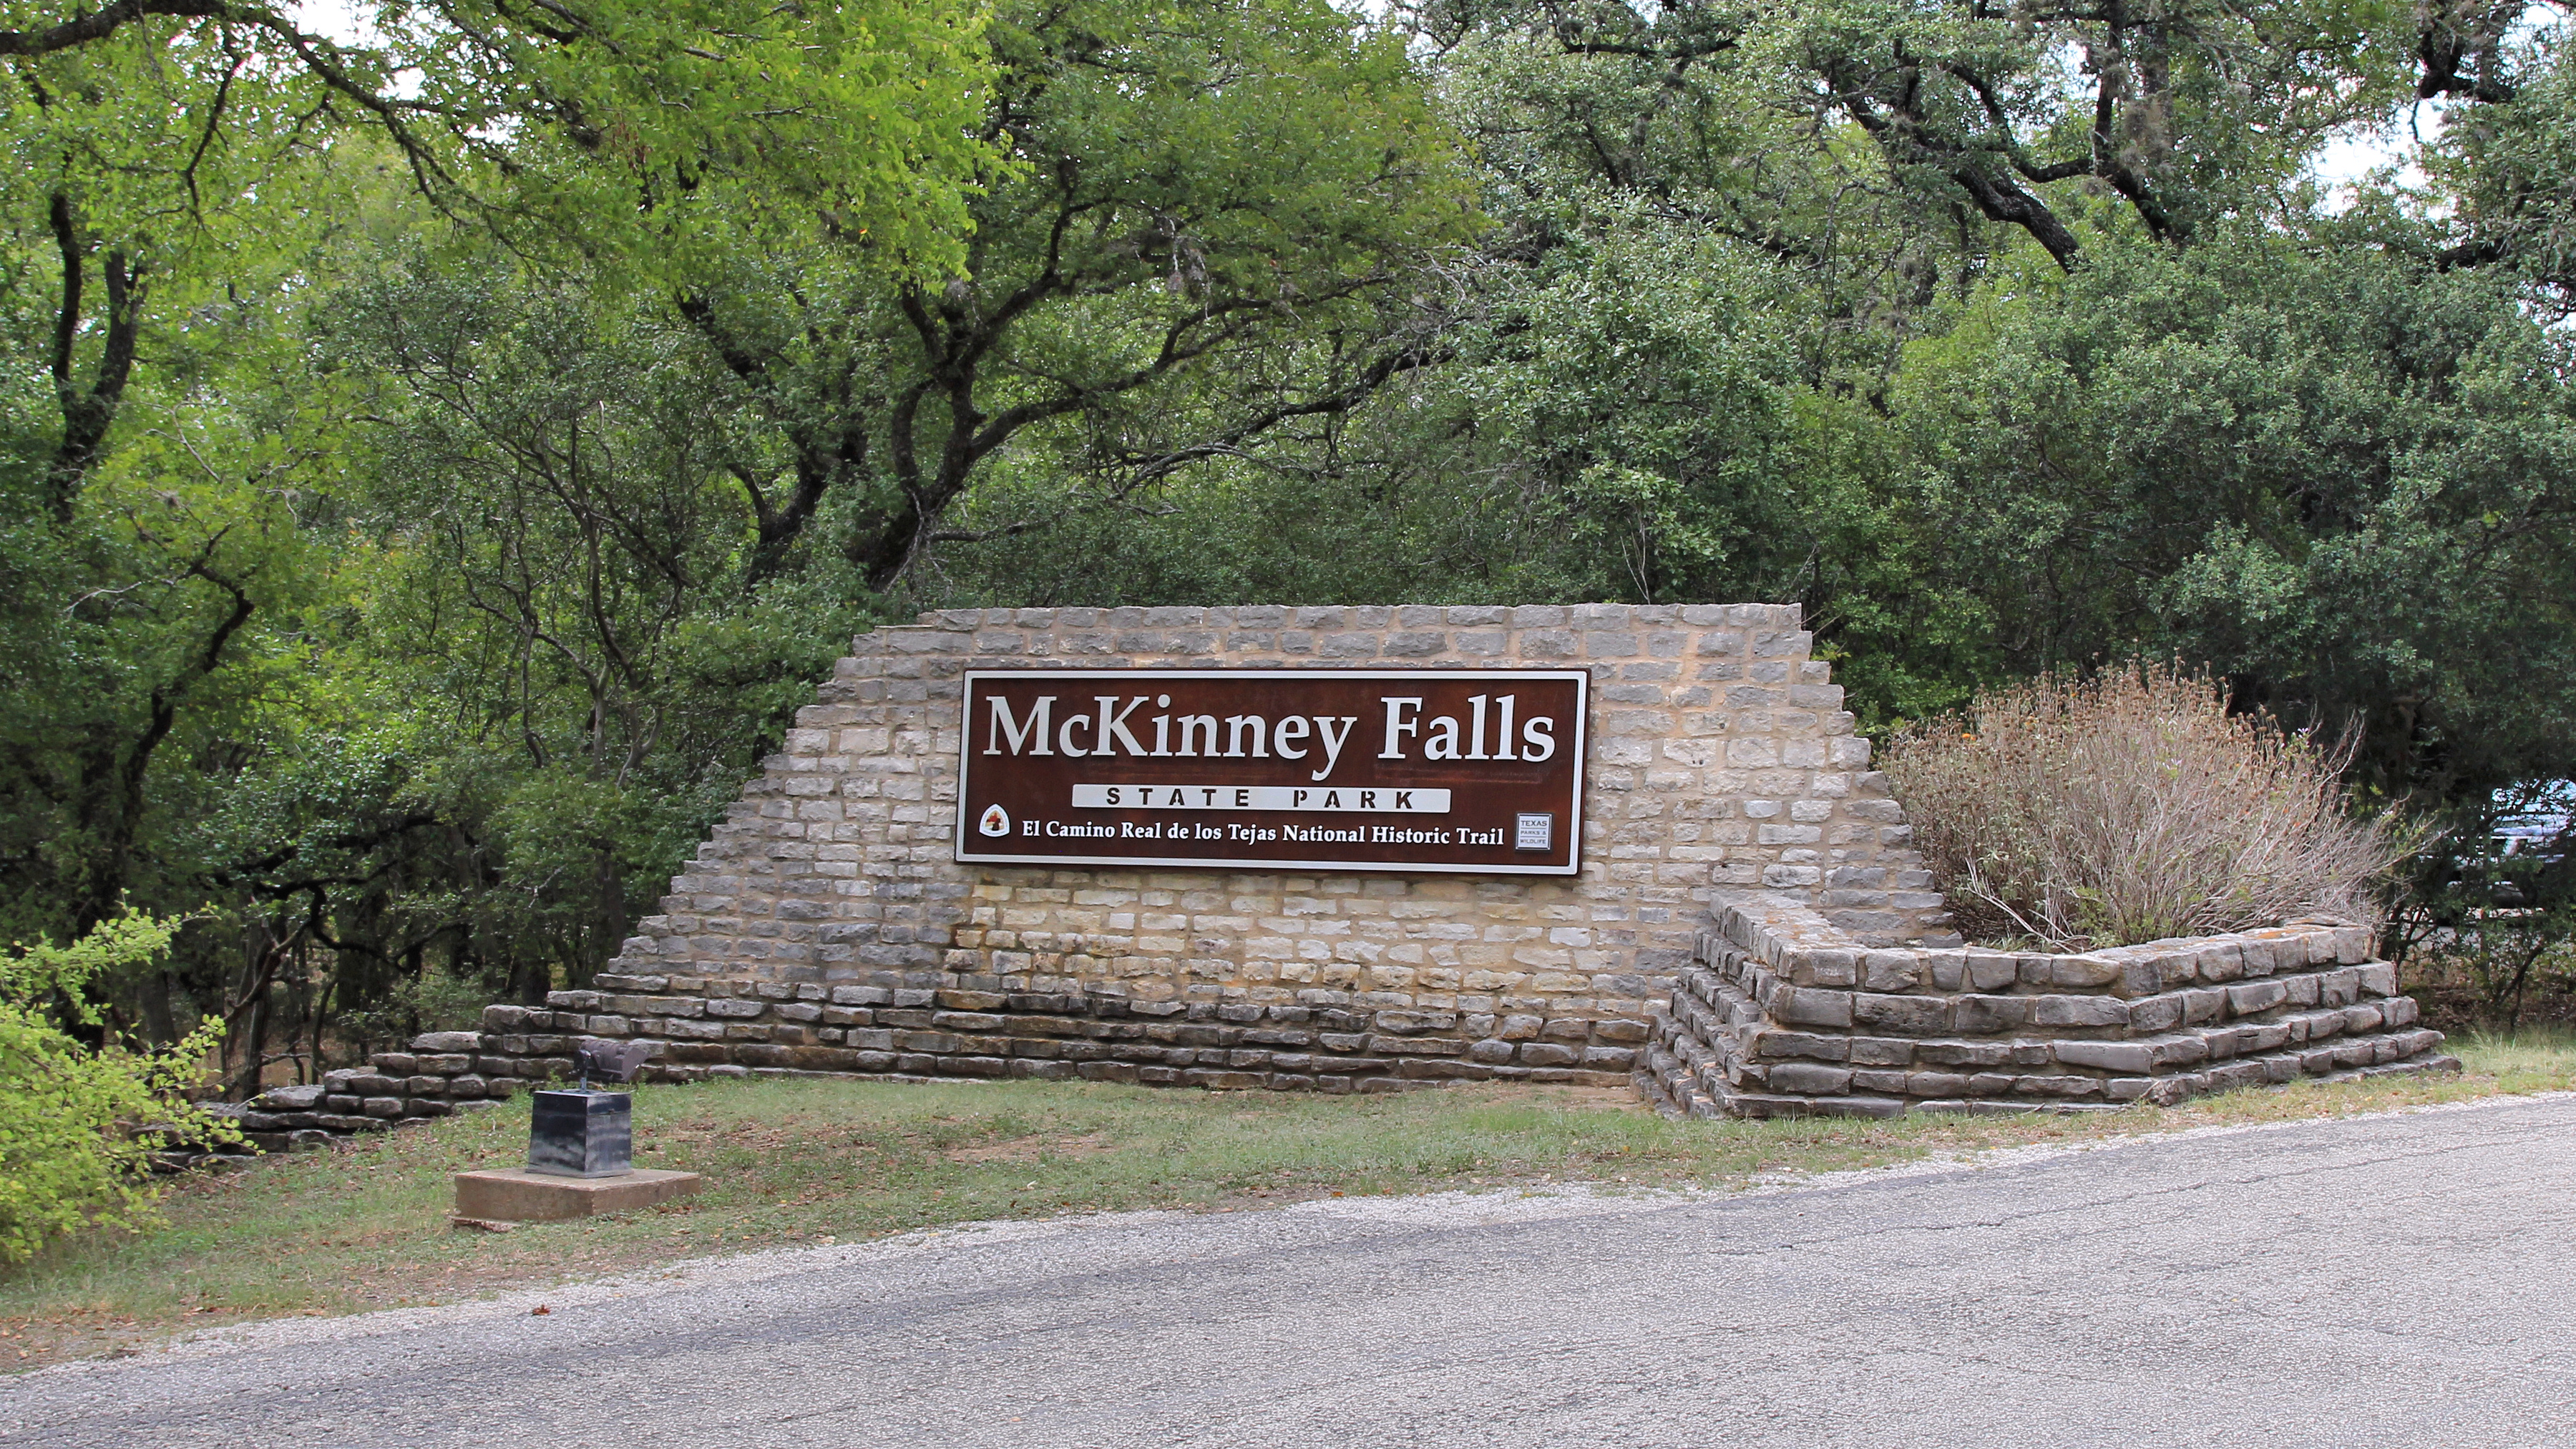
582, 1134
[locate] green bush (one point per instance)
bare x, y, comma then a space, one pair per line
78, 1125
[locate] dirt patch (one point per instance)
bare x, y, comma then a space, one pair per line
1601, 1099
1032, 1148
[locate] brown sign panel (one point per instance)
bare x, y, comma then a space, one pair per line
1475, 772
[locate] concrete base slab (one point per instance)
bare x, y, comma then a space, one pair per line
514, 1194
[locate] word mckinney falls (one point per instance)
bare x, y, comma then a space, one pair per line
1404, 730
1219, 767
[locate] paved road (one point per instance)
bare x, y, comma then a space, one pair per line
2402, 1280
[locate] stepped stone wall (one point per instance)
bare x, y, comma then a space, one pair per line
1749, 935
1781, 1013
440, 1074
825, 928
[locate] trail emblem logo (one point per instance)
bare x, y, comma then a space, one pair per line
996, 821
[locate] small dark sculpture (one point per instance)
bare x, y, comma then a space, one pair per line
588, 1132
610, 1061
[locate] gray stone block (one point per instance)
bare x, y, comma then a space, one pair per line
2083, 973
1988, 1015
1906, 1015
1800, 1044
2156, 1013
2110, 1056
1809, 1078
1990, 970
2252, 997
1891, 971
1807, 1006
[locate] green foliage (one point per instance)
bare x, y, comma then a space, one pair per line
2487, 934
1201, 255
200, 604
658, 132
78, 1124
441, 459
2335, 475
2511, 165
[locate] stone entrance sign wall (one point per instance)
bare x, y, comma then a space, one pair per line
826, 926
1748, 933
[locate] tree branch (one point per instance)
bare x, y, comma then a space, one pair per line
103, 22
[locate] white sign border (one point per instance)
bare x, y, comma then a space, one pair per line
1582, 773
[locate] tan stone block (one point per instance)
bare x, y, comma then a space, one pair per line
515, 1194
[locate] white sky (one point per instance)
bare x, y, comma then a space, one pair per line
2347, 160
342, 20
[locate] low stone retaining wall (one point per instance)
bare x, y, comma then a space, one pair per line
714, 1028
1780, 1013
710, 1027
441, 1074
706, 1028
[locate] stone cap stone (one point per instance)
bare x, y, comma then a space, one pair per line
1372, 616
1800, 946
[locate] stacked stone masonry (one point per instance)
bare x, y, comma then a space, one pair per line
826, 928
441, 1074
1781, 1013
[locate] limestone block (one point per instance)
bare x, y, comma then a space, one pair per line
518, 1195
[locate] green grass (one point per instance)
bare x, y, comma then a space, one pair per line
2534, 1054
813, 1161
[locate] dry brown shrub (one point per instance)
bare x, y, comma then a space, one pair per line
2132, 807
